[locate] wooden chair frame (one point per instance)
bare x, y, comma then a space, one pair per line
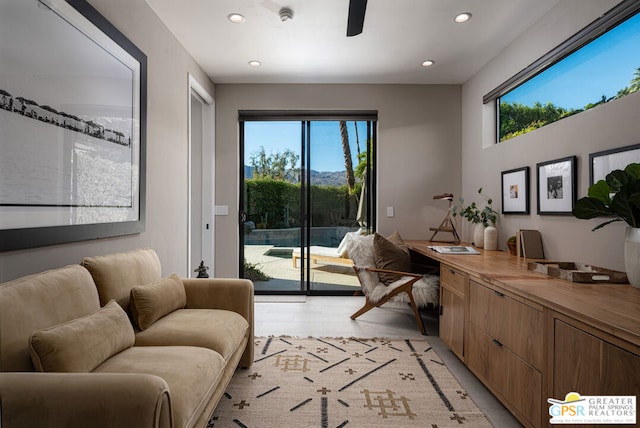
404, 288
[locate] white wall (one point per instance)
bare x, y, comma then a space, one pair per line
167, 139
615, 124
418, 150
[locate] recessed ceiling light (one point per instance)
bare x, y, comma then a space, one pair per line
462, 17
428, 63
236, 18
255, 63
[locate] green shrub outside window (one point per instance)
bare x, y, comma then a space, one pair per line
602, 70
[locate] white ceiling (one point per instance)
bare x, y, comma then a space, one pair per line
313, 48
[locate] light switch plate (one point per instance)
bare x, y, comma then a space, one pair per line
221, 210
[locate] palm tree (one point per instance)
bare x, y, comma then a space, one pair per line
634, 85
635, 82
346, 150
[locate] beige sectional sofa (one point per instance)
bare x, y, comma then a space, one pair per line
111, 343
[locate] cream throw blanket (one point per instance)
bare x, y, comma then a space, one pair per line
360, 250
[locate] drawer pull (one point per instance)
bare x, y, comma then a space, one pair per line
497, 342
499, 294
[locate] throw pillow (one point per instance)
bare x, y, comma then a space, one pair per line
151, 302
81, 345
397, 239
389, 256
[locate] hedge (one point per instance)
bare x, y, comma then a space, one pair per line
275, 204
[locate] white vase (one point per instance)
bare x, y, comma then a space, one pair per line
632, 255
478, 235
491, 238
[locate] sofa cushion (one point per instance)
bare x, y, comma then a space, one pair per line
115, 274
389, 256
40, 301
82, 344
192, 374
217, 329
153, 301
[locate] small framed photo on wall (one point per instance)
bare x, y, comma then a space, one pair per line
515, 191
557, 186
602, 163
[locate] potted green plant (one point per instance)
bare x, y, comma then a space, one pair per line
511, 244
617, 198
480, 216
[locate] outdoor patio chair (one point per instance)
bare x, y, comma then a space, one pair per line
381, 266
332, 255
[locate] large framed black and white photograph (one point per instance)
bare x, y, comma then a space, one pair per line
72, 125
557, 186
515, 191
602, 163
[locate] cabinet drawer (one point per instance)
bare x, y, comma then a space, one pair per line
517, 326
515, 381
452, 320
452, 278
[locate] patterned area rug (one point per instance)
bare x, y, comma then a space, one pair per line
335, 382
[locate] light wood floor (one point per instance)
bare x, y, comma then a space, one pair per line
329, 317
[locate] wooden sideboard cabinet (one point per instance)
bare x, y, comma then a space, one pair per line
453, 286
505, 348
530, 337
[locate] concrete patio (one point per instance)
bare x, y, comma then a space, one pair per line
276, 262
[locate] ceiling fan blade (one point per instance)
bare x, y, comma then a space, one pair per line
355, 22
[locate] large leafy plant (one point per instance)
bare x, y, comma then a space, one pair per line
617, 197
474, 213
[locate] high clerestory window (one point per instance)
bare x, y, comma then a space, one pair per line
597, 65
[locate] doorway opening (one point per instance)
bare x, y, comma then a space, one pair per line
201, 185
305, 183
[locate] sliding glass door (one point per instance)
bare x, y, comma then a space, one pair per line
271, 204
305, 184
334, 185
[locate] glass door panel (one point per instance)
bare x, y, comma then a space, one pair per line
335, 190
272, 201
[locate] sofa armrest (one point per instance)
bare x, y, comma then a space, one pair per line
67, 400
231, 294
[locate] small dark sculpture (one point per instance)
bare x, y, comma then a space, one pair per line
202, 270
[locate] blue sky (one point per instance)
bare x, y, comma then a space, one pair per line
326, 142
602, 67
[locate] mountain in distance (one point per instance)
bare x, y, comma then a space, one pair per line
321, 178
327, 178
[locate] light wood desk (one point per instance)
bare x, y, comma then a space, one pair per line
529, 337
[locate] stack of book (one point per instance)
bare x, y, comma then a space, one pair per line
529, 244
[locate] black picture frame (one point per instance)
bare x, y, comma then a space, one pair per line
602, 163
74, 106
557, 186
515, 191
